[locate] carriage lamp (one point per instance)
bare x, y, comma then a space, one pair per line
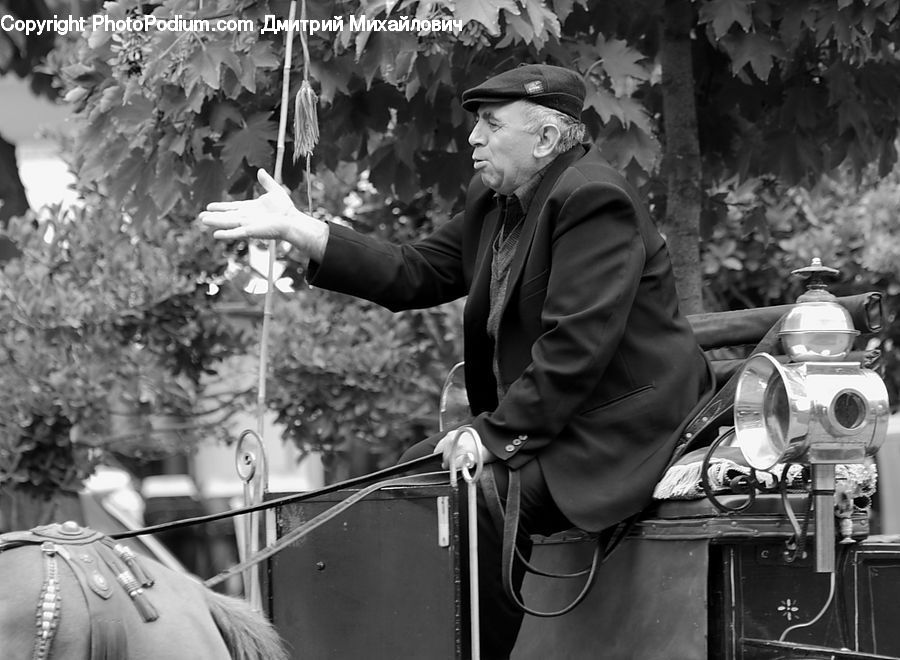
818, 329
817, 409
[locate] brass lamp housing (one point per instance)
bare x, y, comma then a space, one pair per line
815, 412
818, 328
818, 331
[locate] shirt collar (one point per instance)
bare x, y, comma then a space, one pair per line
524, 194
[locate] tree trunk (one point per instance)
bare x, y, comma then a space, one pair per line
24, 508
12, 192
681, 158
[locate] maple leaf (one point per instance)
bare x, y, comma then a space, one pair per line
725, 13
606, 104
756, 49
260, 57
634, 113
627, 110
223, 112
223, 52
165, 186
517, 30
250, 143
544, 22
620, 60
852, 115
794, 22
333, 76
206, 66
206, 62
621, 147
208, 182
486, 12
831, 21
129, 172
133, 114
383, 52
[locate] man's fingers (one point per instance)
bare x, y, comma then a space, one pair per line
229, 234
466, 459
267, 182
219, 220
224, 206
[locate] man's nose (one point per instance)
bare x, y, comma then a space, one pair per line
475, 137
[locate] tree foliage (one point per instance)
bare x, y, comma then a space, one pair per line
769, 231
99, 317
373, 387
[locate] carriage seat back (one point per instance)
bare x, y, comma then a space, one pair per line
722, 334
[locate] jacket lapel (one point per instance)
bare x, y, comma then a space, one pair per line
478, 302
556, 168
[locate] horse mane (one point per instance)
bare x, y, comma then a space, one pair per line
242, 631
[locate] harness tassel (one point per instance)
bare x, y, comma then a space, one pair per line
145, 579
136, 593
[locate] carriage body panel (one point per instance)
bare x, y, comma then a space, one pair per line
380, 581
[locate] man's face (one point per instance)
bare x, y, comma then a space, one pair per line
504, 150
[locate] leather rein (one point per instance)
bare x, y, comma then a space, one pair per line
281, 501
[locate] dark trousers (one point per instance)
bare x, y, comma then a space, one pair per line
500, 617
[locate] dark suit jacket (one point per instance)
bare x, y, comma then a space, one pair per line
600, 365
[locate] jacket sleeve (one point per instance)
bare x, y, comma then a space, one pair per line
598, 257
422, 274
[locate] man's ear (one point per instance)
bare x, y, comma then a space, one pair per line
548, 138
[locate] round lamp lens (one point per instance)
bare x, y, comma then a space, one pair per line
850, 410
777, 411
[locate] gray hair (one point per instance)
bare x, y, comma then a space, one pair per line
571, 130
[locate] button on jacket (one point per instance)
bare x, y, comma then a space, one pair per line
598, 365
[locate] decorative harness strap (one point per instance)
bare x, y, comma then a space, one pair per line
49, 604
92, 558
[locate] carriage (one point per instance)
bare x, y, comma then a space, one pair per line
772, 558
760, 543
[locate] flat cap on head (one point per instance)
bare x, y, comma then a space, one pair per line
550, 86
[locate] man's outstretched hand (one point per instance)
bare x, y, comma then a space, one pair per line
270, 216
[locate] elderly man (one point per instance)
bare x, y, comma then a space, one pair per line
579, 366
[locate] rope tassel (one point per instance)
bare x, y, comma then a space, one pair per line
306, 121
